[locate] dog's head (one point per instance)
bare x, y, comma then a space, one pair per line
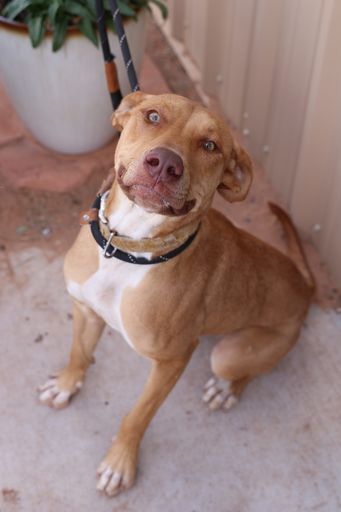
173, 154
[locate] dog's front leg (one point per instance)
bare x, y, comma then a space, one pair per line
117, 471
87, 329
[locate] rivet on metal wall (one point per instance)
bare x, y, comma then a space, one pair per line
246, 132
317, 228
219, 79
266, 148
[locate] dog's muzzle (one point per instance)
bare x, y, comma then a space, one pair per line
158, 183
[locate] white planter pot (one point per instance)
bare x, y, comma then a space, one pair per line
62, 97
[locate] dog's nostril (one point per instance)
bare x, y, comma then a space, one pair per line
174, 171
154, 162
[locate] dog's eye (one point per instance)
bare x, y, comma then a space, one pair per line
209, 145
153, 117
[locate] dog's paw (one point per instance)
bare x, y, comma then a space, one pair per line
218, 395
117, 471
58, 389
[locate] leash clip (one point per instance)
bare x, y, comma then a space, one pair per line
107, 245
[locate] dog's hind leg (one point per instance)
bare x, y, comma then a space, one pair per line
241, 356
87, 329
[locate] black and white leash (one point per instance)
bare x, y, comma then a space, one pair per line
116, 97
109, 57
124, 46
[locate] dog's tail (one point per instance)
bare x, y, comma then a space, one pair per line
294, 244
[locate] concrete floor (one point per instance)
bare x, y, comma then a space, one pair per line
279, 449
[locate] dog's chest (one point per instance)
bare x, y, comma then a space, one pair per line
104, 290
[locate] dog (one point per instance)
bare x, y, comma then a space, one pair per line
163, 268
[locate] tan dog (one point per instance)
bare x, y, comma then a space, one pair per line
171, 158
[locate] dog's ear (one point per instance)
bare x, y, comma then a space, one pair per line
122, 113
237, 178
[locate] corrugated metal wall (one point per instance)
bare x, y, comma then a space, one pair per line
275, 68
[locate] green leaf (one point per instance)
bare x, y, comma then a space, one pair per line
110, 22
138, 3
14, 8
53, 10
162, 7
91, 6
36, 29
87, 28
78, 9
125, 10
59, 33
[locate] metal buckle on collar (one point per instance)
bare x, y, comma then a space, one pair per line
105, 250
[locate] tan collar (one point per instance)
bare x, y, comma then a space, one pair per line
157, 245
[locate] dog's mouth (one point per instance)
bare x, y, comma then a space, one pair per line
155, 197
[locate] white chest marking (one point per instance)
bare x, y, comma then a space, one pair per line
133, 221
103, 291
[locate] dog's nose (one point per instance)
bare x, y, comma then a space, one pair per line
164, 163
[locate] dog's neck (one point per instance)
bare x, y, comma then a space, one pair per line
134, 230
128, 219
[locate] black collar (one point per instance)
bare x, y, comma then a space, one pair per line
111, 251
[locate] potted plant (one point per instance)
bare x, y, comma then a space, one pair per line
53, 69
